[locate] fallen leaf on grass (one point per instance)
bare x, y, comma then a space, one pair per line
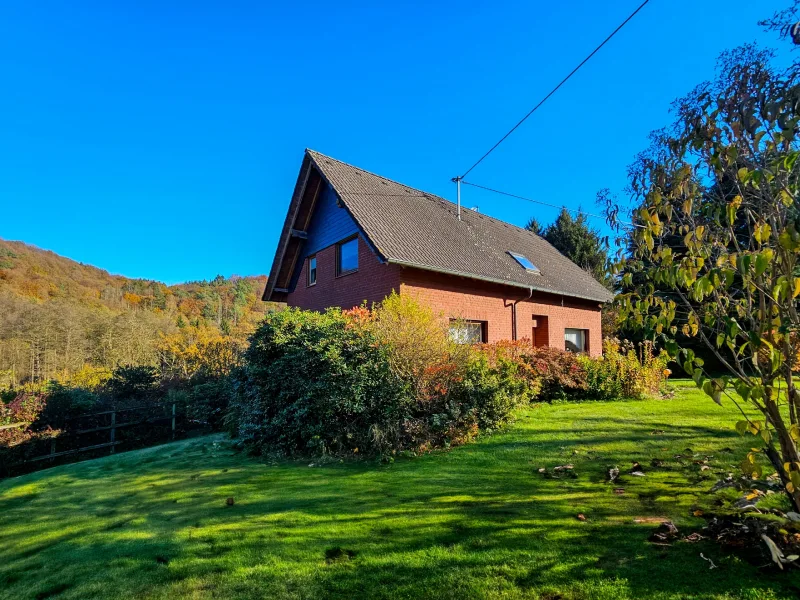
581, 517
665, 533
650, 520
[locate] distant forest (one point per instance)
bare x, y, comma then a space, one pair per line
59, 318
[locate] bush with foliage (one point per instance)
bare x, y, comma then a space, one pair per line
562, 374
133, 383
317, 382
24, 409
206, 401
555, 374
625, 371
369, 382
61, 403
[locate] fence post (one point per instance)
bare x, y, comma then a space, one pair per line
52, 447
113, 430
173, 420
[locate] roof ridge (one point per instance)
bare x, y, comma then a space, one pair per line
357, 168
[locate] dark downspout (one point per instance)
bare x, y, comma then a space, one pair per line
514, 313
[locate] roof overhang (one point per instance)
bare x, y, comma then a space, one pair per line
295, 229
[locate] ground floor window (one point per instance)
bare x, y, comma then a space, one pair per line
576, 340
468, 332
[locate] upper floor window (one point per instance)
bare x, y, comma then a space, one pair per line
312, 270
576, 340
347, 256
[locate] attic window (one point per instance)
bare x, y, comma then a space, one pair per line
524, 262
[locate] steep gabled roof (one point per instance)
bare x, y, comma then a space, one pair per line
416, 229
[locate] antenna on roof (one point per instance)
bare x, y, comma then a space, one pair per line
457, 181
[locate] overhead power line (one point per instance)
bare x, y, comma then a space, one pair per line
572, 210
488, 189
555, 89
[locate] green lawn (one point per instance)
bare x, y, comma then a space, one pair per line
476, 522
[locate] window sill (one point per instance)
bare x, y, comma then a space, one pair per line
308, 285
346, 273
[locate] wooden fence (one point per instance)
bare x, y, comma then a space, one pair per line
105, 421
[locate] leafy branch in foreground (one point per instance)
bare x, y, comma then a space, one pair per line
715, 254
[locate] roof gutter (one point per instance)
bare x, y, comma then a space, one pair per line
523, 286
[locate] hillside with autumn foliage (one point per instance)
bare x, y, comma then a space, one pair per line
60, 318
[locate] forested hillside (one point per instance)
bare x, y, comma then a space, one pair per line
59, 317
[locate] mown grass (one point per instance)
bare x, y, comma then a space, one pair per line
476, 522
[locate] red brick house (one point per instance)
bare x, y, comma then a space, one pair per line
351, 236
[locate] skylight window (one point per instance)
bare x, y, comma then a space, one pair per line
524, 262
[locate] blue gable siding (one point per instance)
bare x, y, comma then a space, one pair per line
329, 224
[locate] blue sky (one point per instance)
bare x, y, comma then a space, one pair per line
162, 139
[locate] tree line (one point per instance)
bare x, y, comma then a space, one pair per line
58, 317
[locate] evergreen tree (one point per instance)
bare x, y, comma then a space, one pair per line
576, 240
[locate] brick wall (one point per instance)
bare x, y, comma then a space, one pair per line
453, 297
372, 282
469, 299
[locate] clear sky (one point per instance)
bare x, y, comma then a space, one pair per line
162, 139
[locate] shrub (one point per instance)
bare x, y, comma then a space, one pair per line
623, 372
458, 399
317, 382
137, 383
62, 402
206, 401
562, 374
23, 407
416, 338
372, 382
16, 443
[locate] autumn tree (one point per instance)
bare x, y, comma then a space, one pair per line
724, 181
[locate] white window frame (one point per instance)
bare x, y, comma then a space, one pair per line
573, 334
462, 331
312, 280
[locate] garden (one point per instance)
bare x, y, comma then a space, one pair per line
199, 518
